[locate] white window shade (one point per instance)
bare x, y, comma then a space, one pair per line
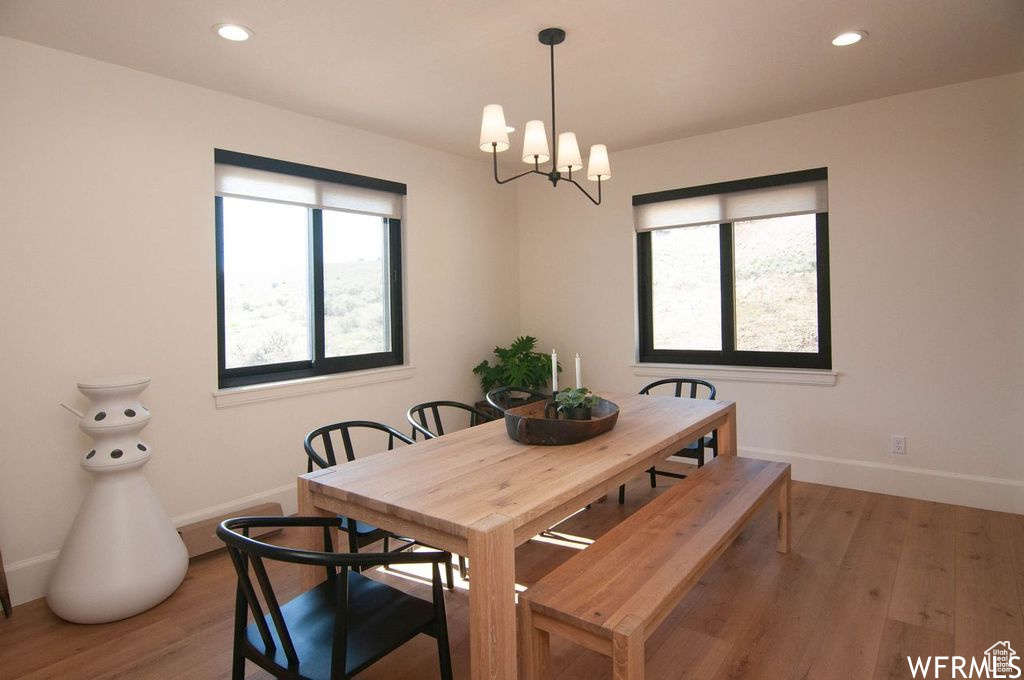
242, 182
775, 201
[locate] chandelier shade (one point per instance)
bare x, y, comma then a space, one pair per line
493, 131
536, 149
598, 166
535, 143
569, 153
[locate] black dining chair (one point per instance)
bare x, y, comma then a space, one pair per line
340, 627
695, 389
321, 445
502, 398
427, 419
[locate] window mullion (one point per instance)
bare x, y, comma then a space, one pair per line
316, 262
824, 291
728, 278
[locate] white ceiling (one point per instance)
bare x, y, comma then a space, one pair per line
629, 73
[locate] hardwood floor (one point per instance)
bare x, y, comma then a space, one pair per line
871, 579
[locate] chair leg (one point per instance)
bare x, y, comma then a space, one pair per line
654, 477
622, 494
238, 664
449, 574
463, 570
444, 651
387, 544
353, 541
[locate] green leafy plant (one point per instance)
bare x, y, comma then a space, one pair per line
577, 397
518, 365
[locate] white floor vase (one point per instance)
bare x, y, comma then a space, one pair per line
123, 554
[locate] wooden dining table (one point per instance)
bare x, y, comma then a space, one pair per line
478, 493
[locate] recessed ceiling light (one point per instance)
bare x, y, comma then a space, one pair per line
233, 32
849, 38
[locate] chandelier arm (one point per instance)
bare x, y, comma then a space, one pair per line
494, 155
596, 201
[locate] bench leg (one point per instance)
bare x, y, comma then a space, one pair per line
534, 646
628, 651
783, 521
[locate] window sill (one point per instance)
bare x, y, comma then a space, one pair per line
238, 396
788, 376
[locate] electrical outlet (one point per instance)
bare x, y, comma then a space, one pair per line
899, 445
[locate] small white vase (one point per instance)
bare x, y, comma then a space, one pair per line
123, 554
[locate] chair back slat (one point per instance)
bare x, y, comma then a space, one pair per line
439, 427
427, 419
346, 440
240, 562
332, 458
275, 610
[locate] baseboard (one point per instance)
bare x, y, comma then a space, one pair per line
27, 578
976, 491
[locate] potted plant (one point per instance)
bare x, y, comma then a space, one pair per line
517, 365
576, 403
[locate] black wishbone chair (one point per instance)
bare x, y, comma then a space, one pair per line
499, 397
338, 628
697, 389
325, 438
427, 420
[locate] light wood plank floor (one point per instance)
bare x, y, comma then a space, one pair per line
871, 579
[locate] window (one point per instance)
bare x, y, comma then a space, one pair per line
309, 270
736, 273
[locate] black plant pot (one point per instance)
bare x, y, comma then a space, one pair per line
580, 413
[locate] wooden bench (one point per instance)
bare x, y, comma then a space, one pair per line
613, 595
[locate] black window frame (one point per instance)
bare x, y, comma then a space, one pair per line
320, 363
729, 355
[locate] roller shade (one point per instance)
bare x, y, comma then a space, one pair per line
314, 187
706, 205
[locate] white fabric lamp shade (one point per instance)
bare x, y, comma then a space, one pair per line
535, 143
493, 129
598, 166
569, 153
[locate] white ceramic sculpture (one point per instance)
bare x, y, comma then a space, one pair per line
122, 555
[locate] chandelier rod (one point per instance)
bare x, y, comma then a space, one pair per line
554, 132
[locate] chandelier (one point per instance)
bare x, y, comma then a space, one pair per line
566, 161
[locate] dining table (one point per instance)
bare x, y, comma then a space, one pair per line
477, 492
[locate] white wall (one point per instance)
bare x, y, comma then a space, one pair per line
112, 270
107, 266
926, 224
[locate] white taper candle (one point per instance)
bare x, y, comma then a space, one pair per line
579, 372
554, 371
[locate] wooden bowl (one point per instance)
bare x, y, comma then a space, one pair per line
527, 424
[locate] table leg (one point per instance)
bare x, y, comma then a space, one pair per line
727, 433
311, 538
784, 513
492, 607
